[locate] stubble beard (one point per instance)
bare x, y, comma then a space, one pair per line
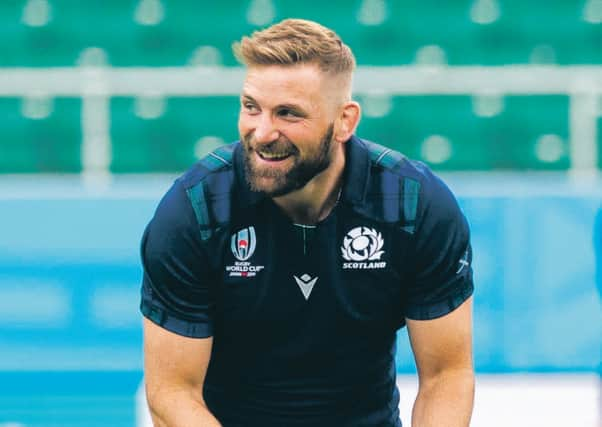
273, 182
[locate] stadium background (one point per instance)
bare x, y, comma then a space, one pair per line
103, 103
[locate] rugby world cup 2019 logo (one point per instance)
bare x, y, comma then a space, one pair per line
360, 245
242, 244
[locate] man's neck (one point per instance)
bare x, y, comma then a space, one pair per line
314, 202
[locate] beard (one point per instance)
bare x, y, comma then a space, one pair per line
275, 182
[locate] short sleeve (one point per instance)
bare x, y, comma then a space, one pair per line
442, 273
176, 289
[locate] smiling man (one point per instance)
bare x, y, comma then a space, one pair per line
278, 269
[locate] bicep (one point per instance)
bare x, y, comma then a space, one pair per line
173, 362
443, 343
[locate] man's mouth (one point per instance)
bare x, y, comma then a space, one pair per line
272, 156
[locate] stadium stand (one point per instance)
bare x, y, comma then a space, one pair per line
450, 132
168, 134
479, 133
40, 135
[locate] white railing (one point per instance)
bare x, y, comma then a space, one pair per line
95, 85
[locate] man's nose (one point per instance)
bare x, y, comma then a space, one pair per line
265, 131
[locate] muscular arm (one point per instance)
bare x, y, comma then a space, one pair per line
443, 351
174, 372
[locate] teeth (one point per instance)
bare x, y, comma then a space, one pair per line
273, 156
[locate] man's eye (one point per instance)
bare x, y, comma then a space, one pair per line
250, 107
288, 113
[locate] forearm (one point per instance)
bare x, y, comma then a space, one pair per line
445, 400
180, 408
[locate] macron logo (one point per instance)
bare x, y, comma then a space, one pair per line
306, 284
463, 262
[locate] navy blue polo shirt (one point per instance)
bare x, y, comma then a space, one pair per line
304, 319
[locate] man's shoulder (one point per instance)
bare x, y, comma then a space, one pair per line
216, 168
387, 161
404, 187
203, 192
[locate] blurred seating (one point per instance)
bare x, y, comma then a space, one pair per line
169, 134
165, 33
448, 132
473, 133
35, 37
531, 133
40, 135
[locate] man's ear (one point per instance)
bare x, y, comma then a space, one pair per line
347, 121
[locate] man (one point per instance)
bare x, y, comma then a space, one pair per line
278, 270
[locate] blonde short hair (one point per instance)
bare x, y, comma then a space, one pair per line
296, 41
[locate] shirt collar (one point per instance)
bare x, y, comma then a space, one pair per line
355, 175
